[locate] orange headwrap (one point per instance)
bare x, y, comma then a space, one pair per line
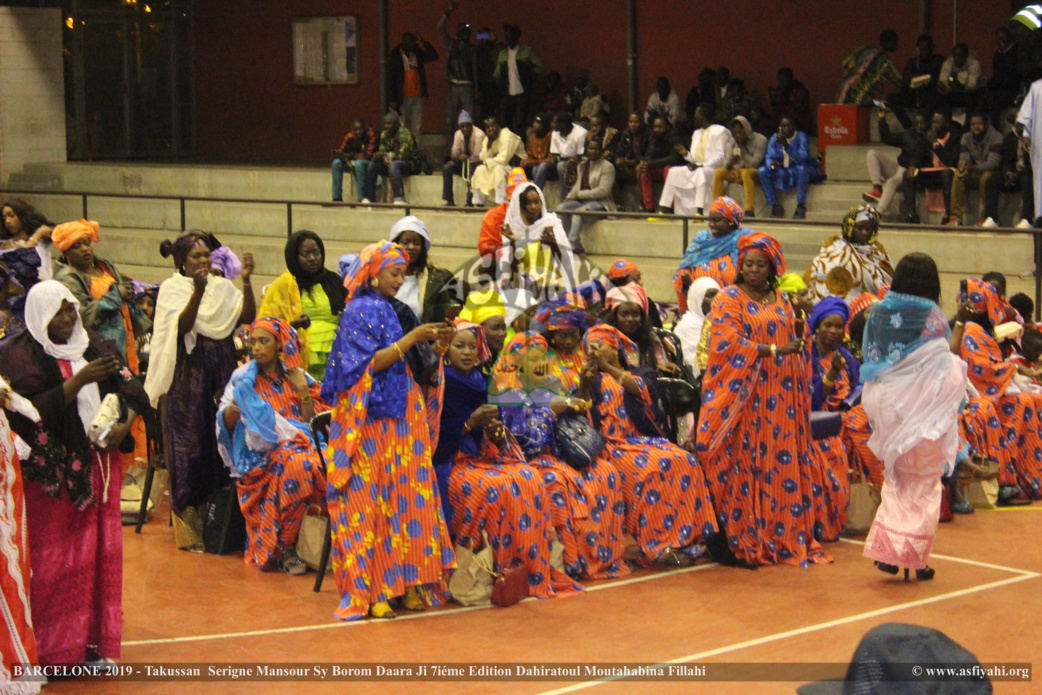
68, 233
287, 337
515, 178
373, 259
484, 353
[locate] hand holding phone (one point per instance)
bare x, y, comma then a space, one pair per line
108, 348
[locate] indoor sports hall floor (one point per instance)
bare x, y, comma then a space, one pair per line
987, 596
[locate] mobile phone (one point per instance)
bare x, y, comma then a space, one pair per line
484, 36
452, 312
964, 293
108, 348
879, 104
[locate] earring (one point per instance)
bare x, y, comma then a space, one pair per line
374, 283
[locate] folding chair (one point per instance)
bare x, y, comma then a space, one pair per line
320, 433
154, 438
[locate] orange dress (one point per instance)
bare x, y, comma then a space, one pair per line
98, 288
722, 269
830, 474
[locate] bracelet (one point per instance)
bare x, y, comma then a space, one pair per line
826, 381
774, 350
960, 324
466, 427
401, 355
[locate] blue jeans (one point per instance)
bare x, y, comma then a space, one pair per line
397, 172
782, 179
448, 169
575, 223
544, 171
361, 166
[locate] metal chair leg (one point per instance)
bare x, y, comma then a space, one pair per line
327, 544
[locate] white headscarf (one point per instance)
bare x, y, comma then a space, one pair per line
411, 223
42, 303
526, 234
689, 327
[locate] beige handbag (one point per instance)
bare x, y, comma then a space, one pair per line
310, 540
471, 581
981, 494
864, 501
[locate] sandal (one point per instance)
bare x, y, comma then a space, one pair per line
382, 610
290, 563
412, 601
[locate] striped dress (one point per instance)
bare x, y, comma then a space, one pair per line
830, 469
667, 500
754, 433
571, 366
722, 269
981, 427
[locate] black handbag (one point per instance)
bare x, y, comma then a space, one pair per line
824, 424
224, 528
580, 443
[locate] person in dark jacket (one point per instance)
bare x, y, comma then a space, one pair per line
888, 174
660, 153
515, 70
407, 79
921, 96
944, 136
1004, 85
462, 68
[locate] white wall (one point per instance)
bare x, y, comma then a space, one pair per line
32, 88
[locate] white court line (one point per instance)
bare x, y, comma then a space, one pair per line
411, 616
1023, 575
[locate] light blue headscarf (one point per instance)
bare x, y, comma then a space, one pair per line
897, 326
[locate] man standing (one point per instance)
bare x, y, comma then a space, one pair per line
515, 69
865, 70
592, 191
392, 160
462, 67
1030, 117
687, 188
355, 152
407, 79
465, 155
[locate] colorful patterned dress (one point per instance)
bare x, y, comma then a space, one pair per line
1019, 414
710, 257
856, 433
830, 469
388, 530
279, 485
754, 433
667, 501
571, 366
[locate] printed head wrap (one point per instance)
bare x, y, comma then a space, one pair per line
180, 247
484, 353
631, 292
861, 213
560, 315
765, 243
373, 259
729, 208
144, 288
622, 269
68, 233
603, 333
985, 299
860, 303
289, 342
515, 178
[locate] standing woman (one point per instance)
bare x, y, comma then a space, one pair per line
389, 536
428, 290
713, 253
72, 494
754, 426
21, 225
192, 358
106, 297
309, 297
910, 370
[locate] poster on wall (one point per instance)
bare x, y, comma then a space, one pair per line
325, 50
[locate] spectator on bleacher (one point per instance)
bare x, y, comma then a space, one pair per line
490, 238
714, 251
464, 157
853, 263
551, 96
308, 297
742, 162
623, 272
192, 357
535, 248
538, 150
487, 59
567, 141
407, 80
574, 99
427, 289
355, 151
660, 153
788, 164
461, 66
24, 226
629, 150
888, 175
944, 136
960, 80
501, 151
1017, 174
664, 100
105, 296
629, 310
516, 68
602, 132
1004, 85
265, 444
865, 70
592, 191
980, 156
919, 83
11, 324
703, 92
1024, 306
687, 188
1029, 117
792, 98
592, 104
393, 160
738, 102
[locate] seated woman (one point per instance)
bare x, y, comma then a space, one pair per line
264, 439
564, 325
309, 297
11, 323
668, 508
754, 425
389, 535
192, 357
627, 308
22, 226
535, 247
973, 339
428, 290
105, 295
713, 252
72, 493
486, 309
586, 507
486, 486
853, 263
694, 327
836, 377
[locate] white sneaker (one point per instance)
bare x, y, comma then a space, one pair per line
365, 201
399, 201
989, 223
1025, 224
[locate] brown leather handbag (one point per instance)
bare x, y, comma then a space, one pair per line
511, 585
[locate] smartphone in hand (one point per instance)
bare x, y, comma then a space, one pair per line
108, 348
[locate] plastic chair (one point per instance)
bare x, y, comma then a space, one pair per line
320, 433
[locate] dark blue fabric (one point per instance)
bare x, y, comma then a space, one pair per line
463, 395
853, 373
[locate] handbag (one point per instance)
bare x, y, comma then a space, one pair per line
310, 540
511, 585
824, 424
580, 443
104, 421
864, 502
981, 494
224, 528
471, 581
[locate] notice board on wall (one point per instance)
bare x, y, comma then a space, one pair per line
325, 50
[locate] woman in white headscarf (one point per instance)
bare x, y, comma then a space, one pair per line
428, 290
71, 489
690, 326
535, 244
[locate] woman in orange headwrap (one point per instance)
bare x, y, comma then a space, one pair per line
713, 252
389, 535
754, 427
265, 442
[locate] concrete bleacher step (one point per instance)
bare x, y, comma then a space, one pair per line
847, 162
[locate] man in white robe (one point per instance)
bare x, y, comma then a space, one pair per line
688, 189
1030, 116
501, 149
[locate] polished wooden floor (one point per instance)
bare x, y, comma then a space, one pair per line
183, 608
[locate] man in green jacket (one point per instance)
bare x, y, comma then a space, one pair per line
514, 71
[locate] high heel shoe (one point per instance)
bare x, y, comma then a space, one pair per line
906, 575
889, 569
925, 574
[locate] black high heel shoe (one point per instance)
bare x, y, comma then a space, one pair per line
925, 574
889, 569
